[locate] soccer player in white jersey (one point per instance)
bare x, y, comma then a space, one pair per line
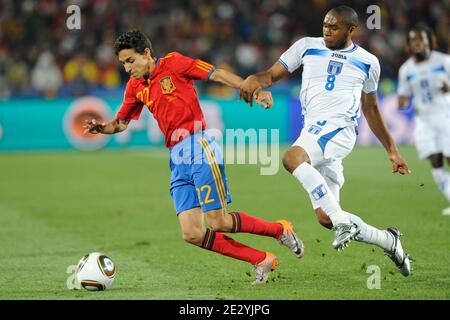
338, 77
425, 76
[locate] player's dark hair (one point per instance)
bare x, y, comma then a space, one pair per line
421, 27
133, 39
349, 16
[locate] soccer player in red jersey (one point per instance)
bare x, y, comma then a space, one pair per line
198, 182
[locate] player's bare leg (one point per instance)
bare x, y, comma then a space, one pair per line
282, 230
441, 176
192, 226
219, 220
437, 160
323, 219
195, 232
296, 160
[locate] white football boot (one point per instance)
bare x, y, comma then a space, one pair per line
397, 255
343, 234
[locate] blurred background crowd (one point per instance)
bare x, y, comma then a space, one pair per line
39, 56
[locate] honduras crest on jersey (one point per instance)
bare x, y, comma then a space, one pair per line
334, 67
332, 80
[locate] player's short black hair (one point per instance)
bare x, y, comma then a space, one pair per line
349, 15
133, 39
421, 27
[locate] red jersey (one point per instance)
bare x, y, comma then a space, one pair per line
169, 94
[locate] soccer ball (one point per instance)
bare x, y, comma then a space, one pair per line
95, 272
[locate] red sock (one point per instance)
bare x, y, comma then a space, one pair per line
219, 242
244, 223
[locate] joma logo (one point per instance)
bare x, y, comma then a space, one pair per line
338, 55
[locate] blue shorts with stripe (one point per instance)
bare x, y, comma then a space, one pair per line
198, 174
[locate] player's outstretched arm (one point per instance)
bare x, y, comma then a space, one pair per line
114, 126
253, 83
263, 98
378, 127
226, 77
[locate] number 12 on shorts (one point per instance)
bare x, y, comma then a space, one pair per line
206, 191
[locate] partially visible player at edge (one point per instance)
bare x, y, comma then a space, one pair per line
425, 76
338, 77
198, 182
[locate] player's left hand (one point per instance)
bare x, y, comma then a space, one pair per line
445, 87
398, 163
263, 98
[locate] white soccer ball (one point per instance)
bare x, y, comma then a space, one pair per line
95, 271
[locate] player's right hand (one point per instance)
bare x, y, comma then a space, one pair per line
93, 127
398, 163
248, 88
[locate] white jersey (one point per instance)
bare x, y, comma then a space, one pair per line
424, 80
332, 80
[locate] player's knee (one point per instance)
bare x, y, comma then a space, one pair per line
216, 224
193, 237
293, 158
219, 224
289, 162
217, 221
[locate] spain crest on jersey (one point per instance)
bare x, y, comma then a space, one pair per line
167, 85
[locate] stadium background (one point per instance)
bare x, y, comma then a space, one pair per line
45, 68
56, 206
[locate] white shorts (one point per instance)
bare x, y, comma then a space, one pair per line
327, 144
432, 136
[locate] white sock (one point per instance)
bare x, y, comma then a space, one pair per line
442, 179
320, 194
369, 234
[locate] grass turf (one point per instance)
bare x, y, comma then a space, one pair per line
56, 207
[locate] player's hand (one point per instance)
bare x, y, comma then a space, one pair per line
263, 98
398, 163
248, 88
445, 87
93, 127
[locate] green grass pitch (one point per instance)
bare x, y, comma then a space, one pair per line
56, 207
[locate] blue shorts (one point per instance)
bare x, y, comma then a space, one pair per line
198, 174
